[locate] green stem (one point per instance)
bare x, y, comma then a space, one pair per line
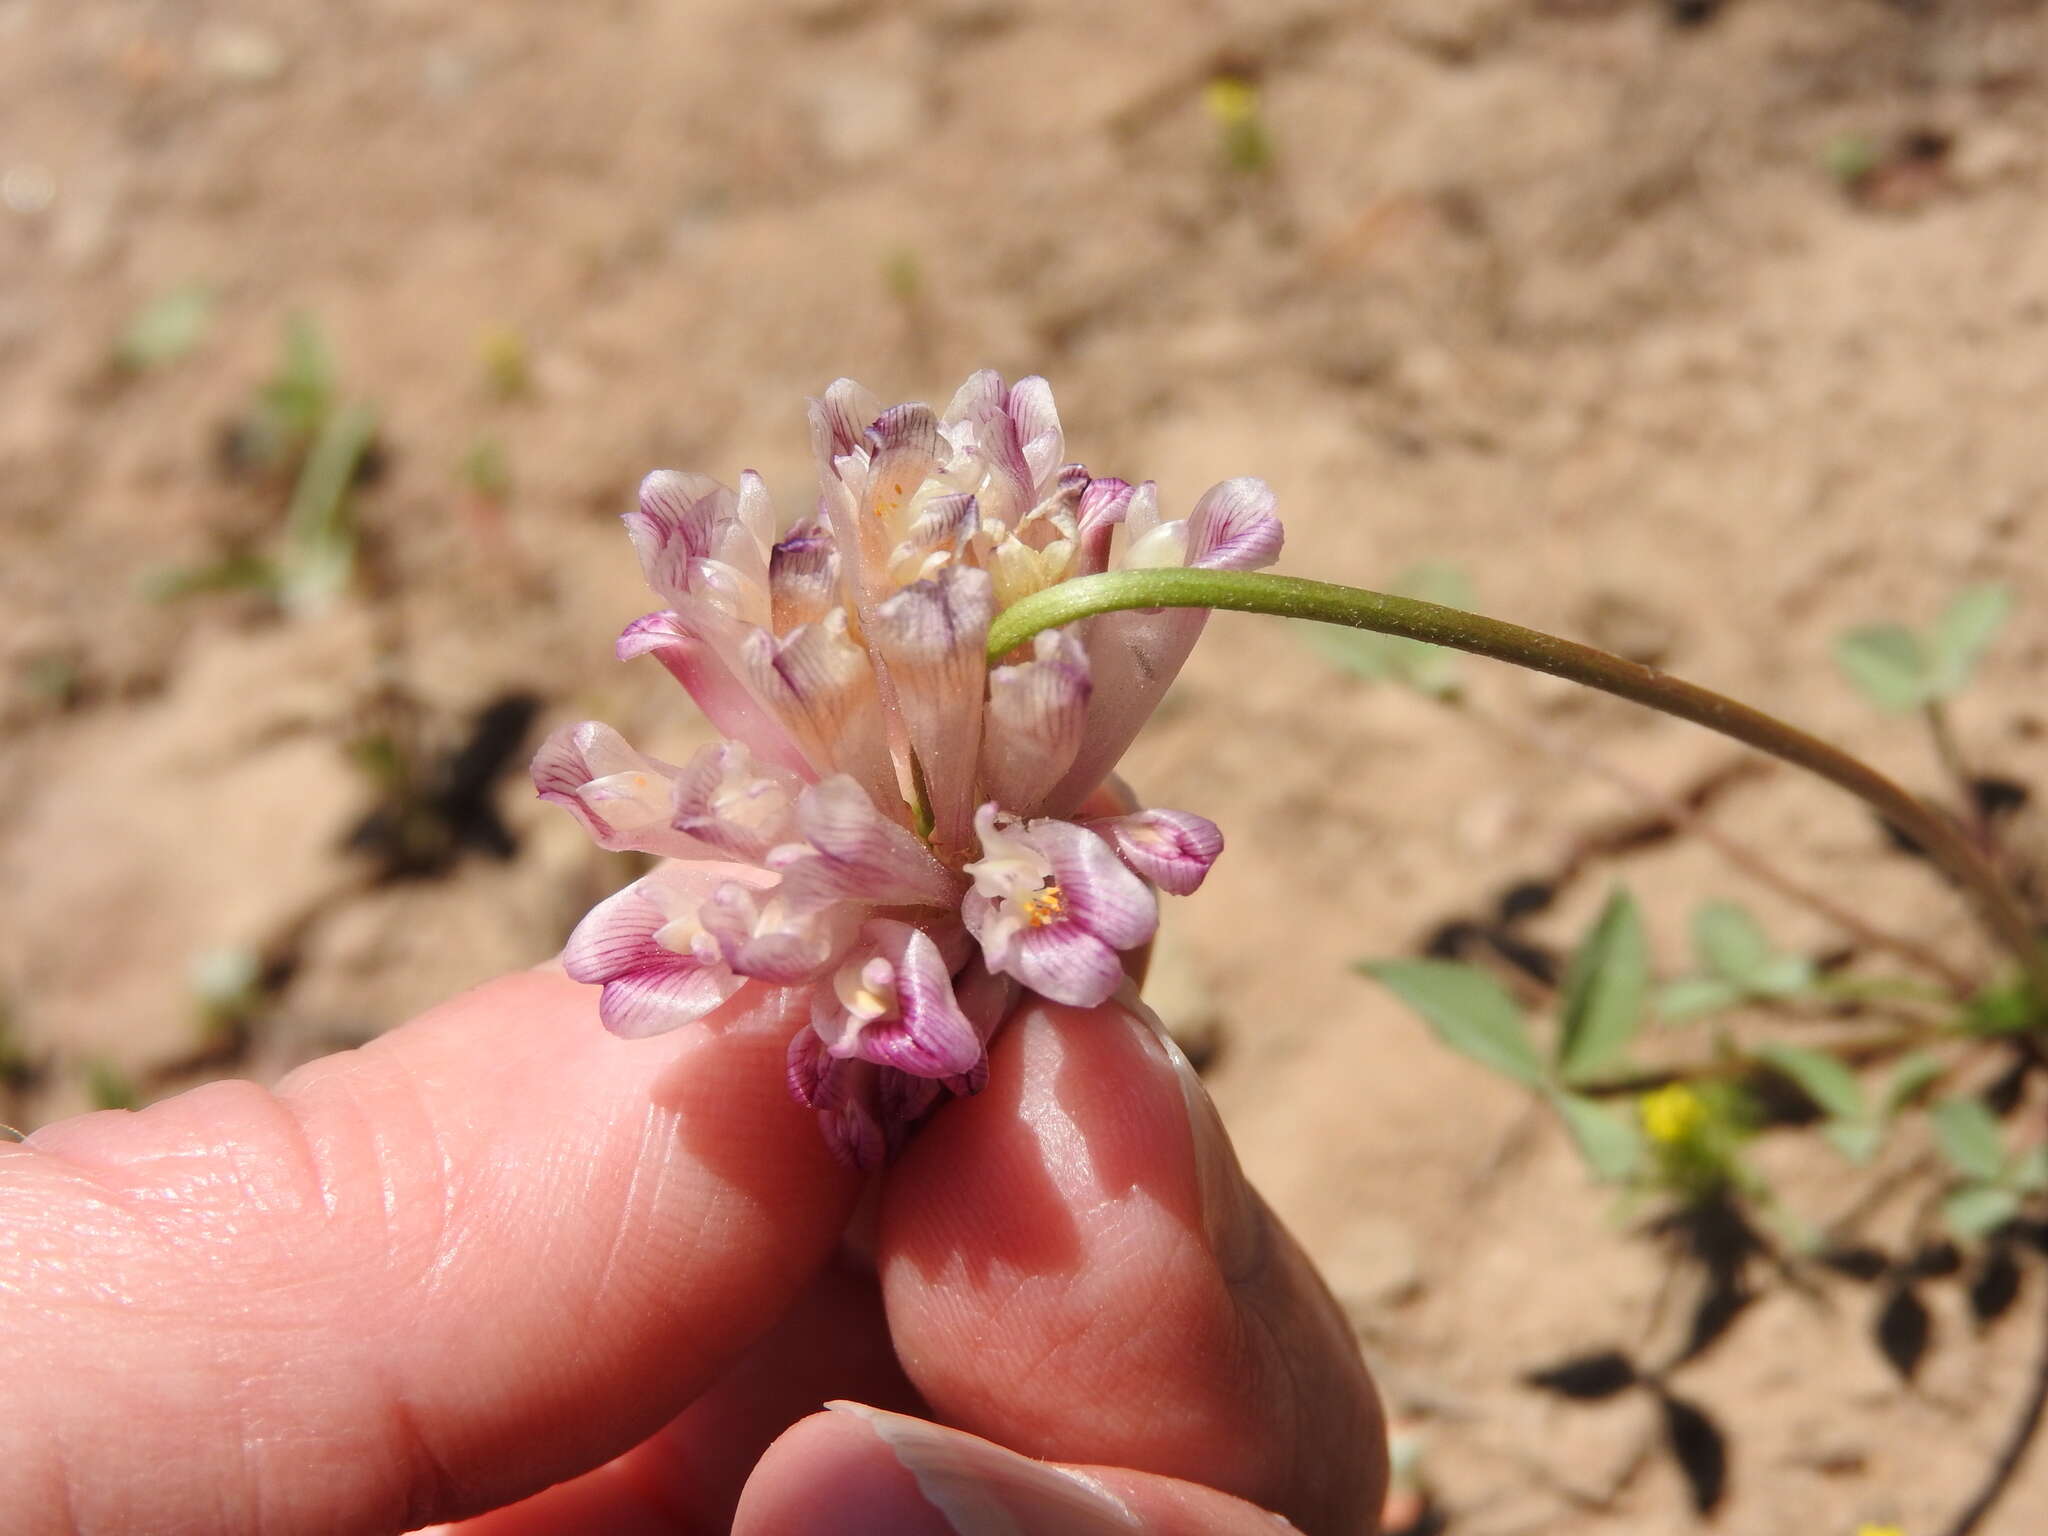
1325, 602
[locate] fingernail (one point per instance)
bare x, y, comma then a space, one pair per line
1233, 1217
985, 1490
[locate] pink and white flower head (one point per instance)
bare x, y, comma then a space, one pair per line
890, 824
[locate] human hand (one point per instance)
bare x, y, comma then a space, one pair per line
497, 1249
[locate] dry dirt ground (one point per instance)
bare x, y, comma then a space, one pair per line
1571, 293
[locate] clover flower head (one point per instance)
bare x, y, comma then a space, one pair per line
889, 824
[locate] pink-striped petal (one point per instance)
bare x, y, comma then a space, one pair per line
1038, 427
1101, 894
1133, 659
715, 687
891, 1002
1233, 527
820, 688
933, 637
622, 797
729, 801
1037, 711
851, 852
633, 943
759, 934
839, 421
1172, 849
803, 575
1066, 963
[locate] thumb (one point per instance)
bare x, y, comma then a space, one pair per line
858, 1470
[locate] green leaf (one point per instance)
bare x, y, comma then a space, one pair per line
301, 394
1857, 1140
1690, 996
1605, 988
1888, 665
1469, 1011
1606, 1139
1820, 1077
1910, 1078
166, 328
1963, 633
1729, 943
1979, 1210
2029, 1171
1782, 976
2000, 1010
1428, 669
1970, 1137
1361, 652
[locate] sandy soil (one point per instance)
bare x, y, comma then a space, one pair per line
1562, 291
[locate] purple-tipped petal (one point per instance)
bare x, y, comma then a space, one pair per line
1133, 659
1172, 849
933, 637
734, 804
1068, 965
1038, 427
715, 687
803, 576
1052, 905
649, 985
982, 393
839, 421
1037, 711
758, 934
674, 525
852, 1118
902, 1101
850, 851
819, 685
1233, 527
805, 1068
1101, 894
621, 796
903, 451
937, 536
891, 1002
1101, 509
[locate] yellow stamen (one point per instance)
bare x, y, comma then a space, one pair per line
1048, 904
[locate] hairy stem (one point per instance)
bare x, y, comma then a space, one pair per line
1325, 602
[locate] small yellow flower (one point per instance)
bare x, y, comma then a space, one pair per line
1671, 1115
1231, 100
1880, 1530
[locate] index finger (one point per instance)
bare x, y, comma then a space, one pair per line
486, 1252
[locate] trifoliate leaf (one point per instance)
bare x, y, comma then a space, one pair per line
1909, 1079
1729, 943
1888, 665
1857, 1140
1978, 1210
166, 328
1969, 1137
1823, 1079
1606, 1139
1962, 634
1469, 1011
1690, 996
1605, 987
2029, 1171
